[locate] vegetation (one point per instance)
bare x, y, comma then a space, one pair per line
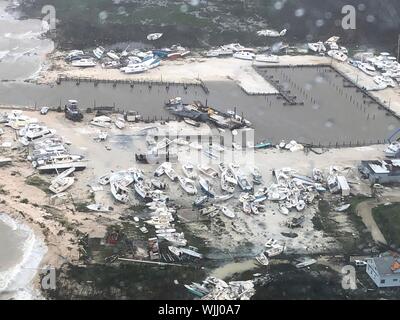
387, 217
38, 182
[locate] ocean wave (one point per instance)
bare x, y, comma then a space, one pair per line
18, 278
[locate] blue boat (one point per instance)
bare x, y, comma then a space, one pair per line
263, 145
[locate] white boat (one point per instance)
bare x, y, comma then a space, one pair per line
246, 207
267, 58
225, 184
262, 259
271, 33
98, 52
111, 54
228, 212
301, 205
207, 187
208, 171
98, 207
120, 124
343, 207
384, 81
367, 69
283, 209
63, 175
142, 191
254, 208
306, 263
393, 150
244, 184
219, 52
119, 192
195, 145
189, 171
102, 122
317, 47
144, 230
338, 55
62, 184
244, 55
84, 63
170, 172
159, 171
188, 185
133, 69
154, 36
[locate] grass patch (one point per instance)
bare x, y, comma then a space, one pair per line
38, 182
388, 220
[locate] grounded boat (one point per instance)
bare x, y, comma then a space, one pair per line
84, 63
207, 188
98, 52
61, 184
267, 58
228, 212
262, 259
170, 172
208, 171
244, 184
154, 36
393, 150
187, 185
189, 171
244, 55
306, 263
119, 192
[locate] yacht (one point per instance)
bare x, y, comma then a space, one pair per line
244, 55
84, 63
367, 69
337, 55
268, 58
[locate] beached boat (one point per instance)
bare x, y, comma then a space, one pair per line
246, 207
134, 69
367, 69
170, 172
98, 207
228, 212
244, 184
119, 192
306, 263
393, 150
98, 52
187, 185
262, 259
208, 171
158, 184
111, 54
254, 208
61, 184
101, 121
142, 190
195, 145
317, 47
283, 209
200, 201
263, 145
225, 184
244, 55
191, 122
207, 187
267, 58
189, 171
84, 63
120, 124
337, 55
159, 171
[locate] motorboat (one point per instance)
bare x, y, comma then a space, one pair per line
61, 184
338, 55
187, 185
228, 212
208, 171
393, 150
159, 171
246, 207
142, 190
84, 63
306, 263
119, 192
244, 55
262, 259
367, 68
267, 58
111, 54
317, 47
133, 69
271, 33
154, 36
225, 184
170, 172
207, 187
189, 171
98, 52
244, 184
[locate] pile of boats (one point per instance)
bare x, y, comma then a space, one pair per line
198, 112
216, 289
128, 61
330, 47
107, 122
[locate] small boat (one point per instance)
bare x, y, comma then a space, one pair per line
98, 207
301, 205
191, 253
61, 185
98, 52
223, 197
158, 184
191, 122
175, 251
195, 145
317, 47
119, 192
267, 58
254, 208
244, 55
181, 142
134, 69
246, 207
206, 186
271, 33
367, 69
263, 145
226, 185
104, 180
338, 55
244, 184
208, 171
187, 185
343, 207
120, 124
222, 167
154, 36
189, 171
170, 172
84, 63
209, 210
159, 171
262, 259
111, 54
306, 263
283, 209
144, 230
142, 191
200, 201
228, 212
393, 150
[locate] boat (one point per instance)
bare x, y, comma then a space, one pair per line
222, 167
208, 210
306, 263
271, 33
257, 177
200, 201
367, 69
98, 207
142, 191
208, 171
195, 145
223, 198
244, 184
189, 171
228, 212
187, 185
342, 207
62, 164
120, 124
244, 55
175, 251
119, 192
267, 58
98, 52
383, 81
170, 172
111, 54
191, 122
262, 259
154, 36
219, 52
134, 69
300, 206
101, 121
317, 47
158, 184
337, 55
283, 209
191, 253
226, 185
254, 208
84, 63
61, 184
393, 150
159, 171
194, 291
246, 207
144, 230
181, 142
207, 188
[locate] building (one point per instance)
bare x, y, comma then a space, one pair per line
381, 171
384, 271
